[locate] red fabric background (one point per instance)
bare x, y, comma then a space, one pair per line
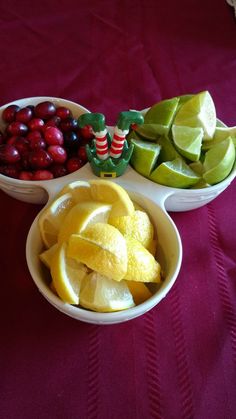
178, 360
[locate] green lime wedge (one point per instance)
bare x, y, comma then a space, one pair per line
161, 114
199, 111
197, 167
221, 133
144, 156
132, 136
151, 131
168, 151
188, 141
219, 161
176, 174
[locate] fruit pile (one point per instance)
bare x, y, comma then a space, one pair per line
182, 144
41, 142
99, 247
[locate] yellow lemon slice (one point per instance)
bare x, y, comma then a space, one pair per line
47, 255
67, 275
52, 218
139, 291
79, 189
138, 225
142, 266
81, 216
102, 248
112, 193
103, 294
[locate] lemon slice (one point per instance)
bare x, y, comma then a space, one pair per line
52, 218
219, 161
79, 189
142, 266
188, 141
103, 294
81, 216
138, 225
144, 156
176, 174
67, 275
139, 291
112, 193
199, 111
47, 255
102, 248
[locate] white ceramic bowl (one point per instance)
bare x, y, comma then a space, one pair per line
169, 255
37, 192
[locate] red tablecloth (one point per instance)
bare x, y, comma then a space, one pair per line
178, 360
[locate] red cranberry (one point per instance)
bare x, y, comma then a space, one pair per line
2, 138
36, 124
58, 170
57, 153
40, 159
9, 153
73, 164
63, 112
45, 110
53, 136
53, 122
36, 143
42, 175
68, 124
25, 161
9, 170
22, 144
34, 134
87, 132
24, 115
25, 175
12, 140
82, 154
17, 128
9, 113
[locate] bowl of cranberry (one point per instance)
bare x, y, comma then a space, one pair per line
41, 146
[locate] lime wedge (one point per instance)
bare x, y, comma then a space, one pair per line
161, 114
176, 174
221, 133
144, 156
199, 111
197, 167
219, 161
188, 141
151, 131
168, 151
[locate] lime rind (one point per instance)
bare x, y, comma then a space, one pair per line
176, 174
219, 161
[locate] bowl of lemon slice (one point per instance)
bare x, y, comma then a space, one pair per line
186, 150
103, 254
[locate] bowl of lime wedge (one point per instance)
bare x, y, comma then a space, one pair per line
103, 254
186, 149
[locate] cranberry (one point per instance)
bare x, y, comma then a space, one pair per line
9, 170
71, 140
42, 175
63, 112
9, 153
12, 140
2, 138
82, 154
17, 128
40, 159
36, 143
53, 122
73, 164
53, 136
32, 107
45, 110
22, 144
57, 153
9, 113
68, 124
58, 170
36, 124
87, 132
25, 175
25, 161
34, 134
24, 115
